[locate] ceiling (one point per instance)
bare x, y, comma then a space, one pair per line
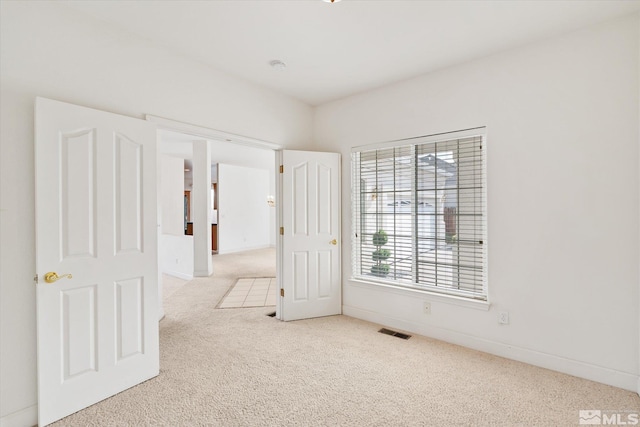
335, 50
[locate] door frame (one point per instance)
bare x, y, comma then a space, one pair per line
220, 136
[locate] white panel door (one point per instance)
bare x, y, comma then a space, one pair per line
309, 251
95, 222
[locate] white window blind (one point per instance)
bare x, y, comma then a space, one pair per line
419, 214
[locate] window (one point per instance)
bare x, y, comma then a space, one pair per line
419, 213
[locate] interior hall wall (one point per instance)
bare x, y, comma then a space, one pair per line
243, 212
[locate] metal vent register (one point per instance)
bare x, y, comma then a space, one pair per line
394, 333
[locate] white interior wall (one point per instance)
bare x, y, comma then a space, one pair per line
176, 256
201, 206
243, 213
229, 153
48, 50
172, 195
176, 249
214, 173
214, 180
254, 158
563, 198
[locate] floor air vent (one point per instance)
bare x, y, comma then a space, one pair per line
272, 314
394, 333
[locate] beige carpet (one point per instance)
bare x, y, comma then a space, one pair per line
170, 284
239, 367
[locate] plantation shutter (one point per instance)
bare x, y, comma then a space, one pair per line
419, 213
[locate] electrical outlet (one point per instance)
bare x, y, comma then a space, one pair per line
426, 307
503, 317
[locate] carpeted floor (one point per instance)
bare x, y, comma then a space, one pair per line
170, 284
239, 367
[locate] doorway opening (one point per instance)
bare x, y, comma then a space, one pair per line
238, 195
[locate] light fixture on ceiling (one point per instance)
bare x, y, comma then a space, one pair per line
331, 1
278, 65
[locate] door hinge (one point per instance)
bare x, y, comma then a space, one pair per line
282, 231
35, 279
281, 168
282, 292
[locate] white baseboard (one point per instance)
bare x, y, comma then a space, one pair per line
252, 248
202, 273
179, 275
576, 368
26, 417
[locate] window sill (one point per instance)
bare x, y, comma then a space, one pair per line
426, 294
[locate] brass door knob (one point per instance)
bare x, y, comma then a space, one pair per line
334, 242
52, 276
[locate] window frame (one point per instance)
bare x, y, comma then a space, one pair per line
455, 295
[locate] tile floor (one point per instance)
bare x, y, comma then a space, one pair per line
251, 292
